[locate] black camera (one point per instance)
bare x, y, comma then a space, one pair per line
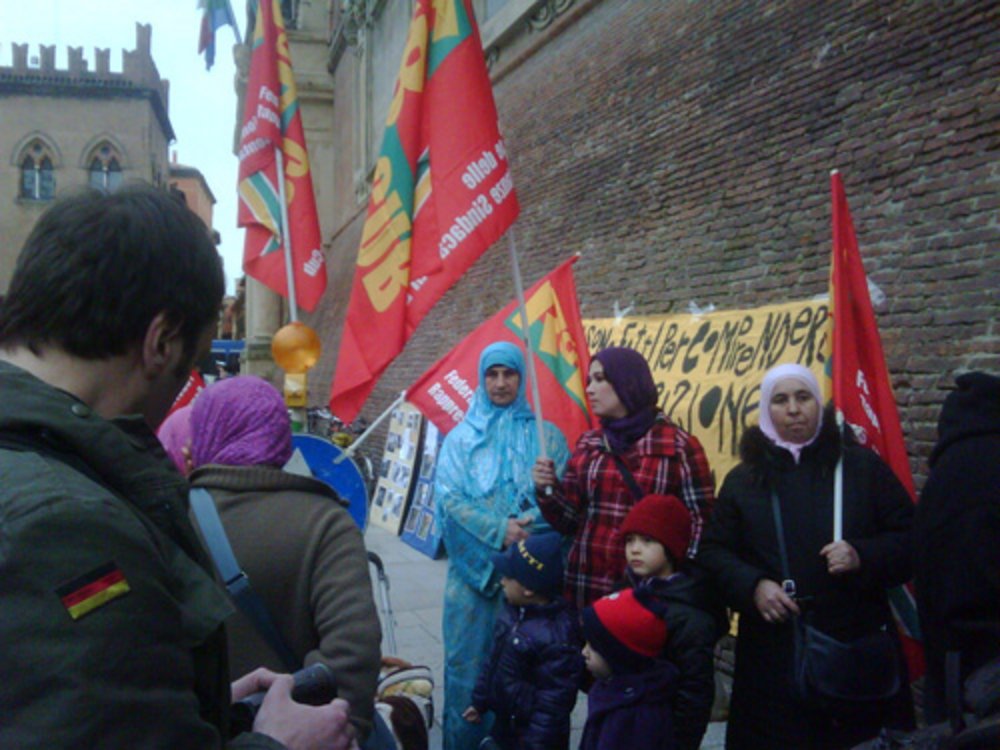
314, 685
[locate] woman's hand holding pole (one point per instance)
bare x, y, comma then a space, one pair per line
543, 474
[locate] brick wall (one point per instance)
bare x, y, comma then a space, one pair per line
684, 149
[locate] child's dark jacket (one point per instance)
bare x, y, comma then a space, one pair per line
695, 621
531, 676
632, 711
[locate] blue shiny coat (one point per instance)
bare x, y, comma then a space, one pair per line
530, 679
483, 479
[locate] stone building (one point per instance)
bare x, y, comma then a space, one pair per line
66, 128
685, 148
191, 183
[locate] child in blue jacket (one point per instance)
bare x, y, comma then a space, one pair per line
530, 679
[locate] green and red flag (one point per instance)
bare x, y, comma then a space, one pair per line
272, 132
444, 392
862, 392
441, 194
215, 14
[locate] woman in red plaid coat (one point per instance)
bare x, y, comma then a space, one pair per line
636, 452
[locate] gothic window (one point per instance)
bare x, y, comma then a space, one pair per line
38, 179
104, 169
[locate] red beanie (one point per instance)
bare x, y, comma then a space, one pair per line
624, 630
663, 518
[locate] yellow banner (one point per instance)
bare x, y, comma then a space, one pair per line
708, 367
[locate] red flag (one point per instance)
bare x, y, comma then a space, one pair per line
444, 392
195, 384
861, 388
442, 193
272, 125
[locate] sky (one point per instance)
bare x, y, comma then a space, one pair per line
202, 103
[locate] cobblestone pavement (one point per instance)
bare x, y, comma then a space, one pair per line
416, 586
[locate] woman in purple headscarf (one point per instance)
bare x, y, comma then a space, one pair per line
294, 538
636, 452
175, 436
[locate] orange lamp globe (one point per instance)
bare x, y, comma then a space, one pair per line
295, 348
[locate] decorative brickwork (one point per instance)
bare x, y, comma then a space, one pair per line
684, 149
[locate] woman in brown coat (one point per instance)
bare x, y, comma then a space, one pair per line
294, 538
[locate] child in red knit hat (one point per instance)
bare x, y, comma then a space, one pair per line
656, 534
629, 703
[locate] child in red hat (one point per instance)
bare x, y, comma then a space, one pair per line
629, 703
656, 534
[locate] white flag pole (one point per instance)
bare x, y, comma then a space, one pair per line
286, 237
349, 450
519, 288
838, 485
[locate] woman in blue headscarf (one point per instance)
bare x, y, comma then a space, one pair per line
485, 502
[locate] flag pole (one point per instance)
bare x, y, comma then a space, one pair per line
838, 485
349, 450
236, 27
286, 238
535, 395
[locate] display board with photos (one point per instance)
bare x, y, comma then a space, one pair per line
397, 472
422, 530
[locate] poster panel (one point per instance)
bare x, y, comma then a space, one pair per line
421, 530
398, 469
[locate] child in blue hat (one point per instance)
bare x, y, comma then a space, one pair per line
531, 676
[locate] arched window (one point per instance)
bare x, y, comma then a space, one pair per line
105, 169
38, 178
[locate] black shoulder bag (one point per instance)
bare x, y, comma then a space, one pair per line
830, 674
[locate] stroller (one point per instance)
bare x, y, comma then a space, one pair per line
404, 698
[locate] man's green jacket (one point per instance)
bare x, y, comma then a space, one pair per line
110, 623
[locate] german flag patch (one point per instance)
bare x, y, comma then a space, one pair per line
95, 589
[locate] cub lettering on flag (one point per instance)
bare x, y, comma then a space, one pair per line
441, 194
444, 392
862, 392
272, 129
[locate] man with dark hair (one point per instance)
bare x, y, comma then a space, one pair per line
111, 633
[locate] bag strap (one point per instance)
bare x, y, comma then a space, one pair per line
633, 485
780, 528
237, 582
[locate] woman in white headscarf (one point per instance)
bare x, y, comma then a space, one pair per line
792, 456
